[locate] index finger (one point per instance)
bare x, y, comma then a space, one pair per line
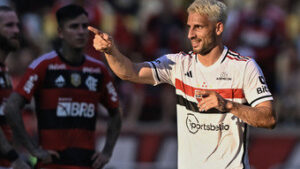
94, 30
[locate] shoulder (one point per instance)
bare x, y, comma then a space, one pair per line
46, 58
240, 63
93, 65
236, 57
177, 57
93, 61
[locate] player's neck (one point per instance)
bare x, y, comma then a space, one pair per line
211, 57
72, 55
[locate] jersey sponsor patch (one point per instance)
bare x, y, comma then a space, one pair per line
30, 83
68, 108
57, 66
112, 91
194, 126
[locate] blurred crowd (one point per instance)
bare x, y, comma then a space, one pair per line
268, 30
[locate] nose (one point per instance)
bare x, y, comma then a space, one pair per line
191, 33
16, 29
82, 29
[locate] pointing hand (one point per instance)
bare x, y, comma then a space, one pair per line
102, 41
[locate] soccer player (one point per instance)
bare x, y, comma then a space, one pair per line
67, 86
9, 41
212, 127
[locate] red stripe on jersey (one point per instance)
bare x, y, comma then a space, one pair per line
74, 94
54, 166
233, 58
62, 139
225, 93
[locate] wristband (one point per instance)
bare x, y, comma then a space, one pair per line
12, 155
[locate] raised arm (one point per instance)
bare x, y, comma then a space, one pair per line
123, 67
112, 134
13, 116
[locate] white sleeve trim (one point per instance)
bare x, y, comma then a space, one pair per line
260, 100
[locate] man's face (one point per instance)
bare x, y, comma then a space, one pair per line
74, 32
9, 31
201, 33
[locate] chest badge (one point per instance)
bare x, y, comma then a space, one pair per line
75, 79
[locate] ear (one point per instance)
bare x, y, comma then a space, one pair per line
59, 32
219, 28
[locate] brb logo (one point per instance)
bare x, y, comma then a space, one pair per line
67, 108
194, 126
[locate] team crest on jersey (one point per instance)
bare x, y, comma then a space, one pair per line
75, 79
91, 83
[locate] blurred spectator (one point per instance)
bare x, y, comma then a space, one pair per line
260, 33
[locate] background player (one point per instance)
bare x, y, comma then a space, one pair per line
213, 132
9, 41
68, 86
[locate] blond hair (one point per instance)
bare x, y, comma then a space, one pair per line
214, 9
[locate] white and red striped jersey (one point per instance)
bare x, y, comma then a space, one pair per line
211, 139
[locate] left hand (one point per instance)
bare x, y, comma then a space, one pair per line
99, 160
211, 99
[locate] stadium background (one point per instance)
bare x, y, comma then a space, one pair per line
144, 30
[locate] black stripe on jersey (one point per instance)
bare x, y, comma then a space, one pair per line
192, 106
233, 54
75, 157
260, 98
48, 120
155, 71
224, 57
66, 79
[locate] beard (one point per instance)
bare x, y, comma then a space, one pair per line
9, 45
208, 45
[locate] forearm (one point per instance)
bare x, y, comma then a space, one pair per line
5, 147
112, 133
262, 116
14, 119
122, 66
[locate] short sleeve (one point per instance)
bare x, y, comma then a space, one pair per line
255, 86
163, 69
31, 81
110, 98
